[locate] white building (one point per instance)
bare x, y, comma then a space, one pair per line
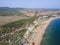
26, 43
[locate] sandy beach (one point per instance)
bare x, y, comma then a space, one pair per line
39, 32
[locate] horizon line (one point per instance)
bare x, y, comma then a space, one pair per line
30, 8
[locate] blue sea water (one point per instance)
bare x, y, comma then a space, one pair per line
52, 33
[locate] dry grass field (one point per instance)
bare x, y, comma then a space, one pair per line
39, 13
48, 12
27, 13
8, 19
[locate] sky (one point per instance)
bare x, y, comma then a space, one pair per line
30, 3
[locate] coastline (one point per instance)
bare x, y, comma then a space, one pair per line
47, 22
39, 32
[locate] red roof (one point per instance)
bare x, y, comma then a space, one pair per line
33, 43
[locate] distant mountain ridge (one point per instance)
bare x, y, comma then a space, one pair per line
4, 11
8, 8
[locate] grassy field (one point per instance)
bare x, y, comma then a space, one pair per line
20, 23
8, 28
48, 12
7, 19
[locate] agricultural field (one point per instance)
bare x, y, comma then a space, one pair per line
8, 19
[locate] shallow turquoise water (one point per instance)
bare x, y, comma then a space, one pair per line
52, 33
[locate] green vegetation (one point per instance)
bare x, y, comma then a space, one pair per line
19, 34
4, 42
17, 24
11, 13
11, 27
36, 26
5, 11
14, 38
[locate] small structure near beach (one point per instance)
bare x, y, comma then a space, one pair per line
25, 43
33, 43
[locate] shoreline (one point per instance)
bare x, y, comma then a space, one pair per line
39, 32
44, 28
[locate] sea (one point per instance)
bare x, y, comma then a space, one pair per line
52, 33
